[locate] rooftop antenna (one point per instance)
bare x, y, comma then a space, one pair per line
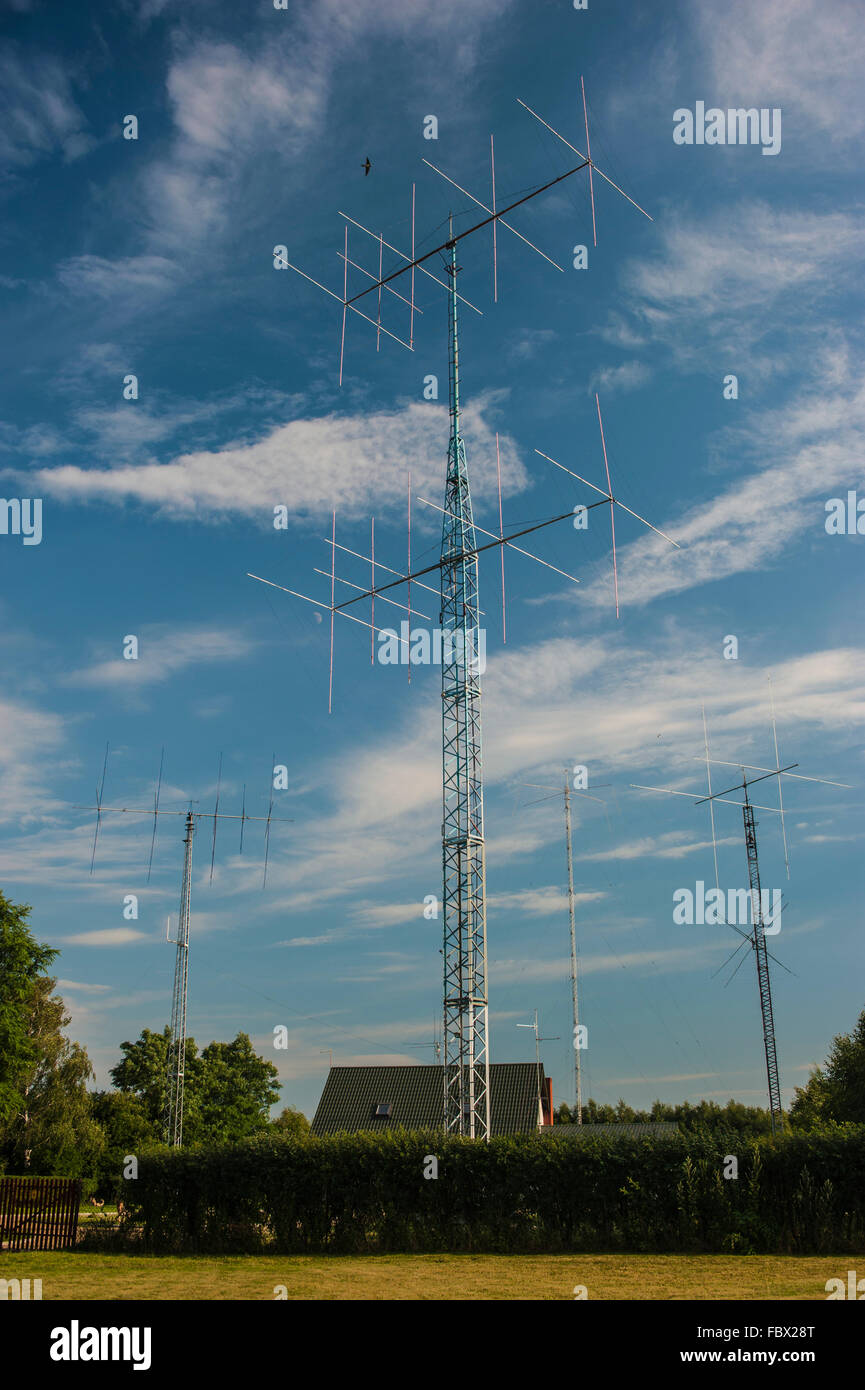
465, 1012
538, 1041
173, 1113
757, 937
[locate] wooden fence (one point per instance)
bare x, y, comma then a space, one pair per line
39, 1213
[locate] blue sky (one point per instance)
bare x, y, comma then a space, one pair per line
155, 257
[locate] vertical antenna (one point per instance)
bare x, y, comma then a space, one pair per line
242, 817
332, 586
408, 586
99, 790
778, 764
411, 316
612, 508
711, 803
495, 223
372, 587
215, 815
270, 812
589, 153
344, 304
574, 969
501, 535
380, 261
177, 1043
155, 813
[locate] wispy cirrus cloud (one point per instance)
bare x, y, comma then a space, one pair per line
311, 465
163, 652
41, 117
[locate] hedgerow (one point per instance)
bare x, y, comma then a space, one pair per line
794, 1193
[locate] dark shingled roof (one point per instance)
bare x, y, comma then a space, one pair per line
615, 1129
416, 1097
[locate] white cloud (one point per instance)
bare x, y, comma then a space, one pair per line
802, 55
163, 652
627, 377
41, 116
312, 465
538, 902
111, 936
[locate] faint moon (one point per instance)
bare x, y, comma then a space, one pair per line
318, 617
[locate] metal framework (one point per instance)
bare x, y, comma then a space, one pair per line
177, 1044
173, 1109
466, 1049
756, 939
758, 942
575, 989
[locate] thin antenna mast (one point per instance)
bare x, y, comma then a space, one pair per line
177, 1041
757, 936
578, 1079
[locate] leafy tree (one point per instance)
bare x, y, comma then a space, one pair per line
237, 1089
22, 961
291, 1122
745, 1121
228, 1089
54, 1130
838, 1092
143, 1072
127, 1128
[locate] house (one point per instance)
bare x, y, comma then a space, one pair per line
410, 1096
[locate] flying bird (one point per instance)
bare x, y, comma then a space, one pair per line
366, 167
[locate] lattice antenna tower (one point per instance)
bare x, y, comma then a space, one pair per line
175, 1080
756, 939
466, 1052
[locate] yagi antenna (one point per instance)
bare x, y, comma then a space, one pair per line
411, 262
611, 499
155, 812
757, 937
215, 817
99, 790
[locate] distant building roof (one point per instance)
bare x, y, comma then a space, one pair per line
412, 1097
616, 1129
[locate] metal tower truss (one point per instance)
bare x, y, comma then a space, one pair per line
466, 1052
756, 938
177, 1043
173, 1109
758, 941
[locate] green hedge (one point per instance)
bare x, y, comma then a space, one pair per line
796, 1193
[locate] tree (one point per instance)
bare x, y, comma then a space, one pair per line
22, 961
237, 1090
143, 1072
838, 1092
291, 1122
53, 1130
228, 1089
127, 1127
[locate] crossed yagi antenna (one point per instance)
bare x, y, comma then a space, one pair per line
383, 578
156, 811
409, 263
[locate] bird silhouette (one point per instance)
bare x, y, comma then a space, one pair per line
366, 167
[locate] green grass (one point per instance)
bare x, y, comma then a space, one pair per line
73, 1275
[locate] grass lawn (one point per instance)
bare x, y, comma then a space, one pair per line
70, 1275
